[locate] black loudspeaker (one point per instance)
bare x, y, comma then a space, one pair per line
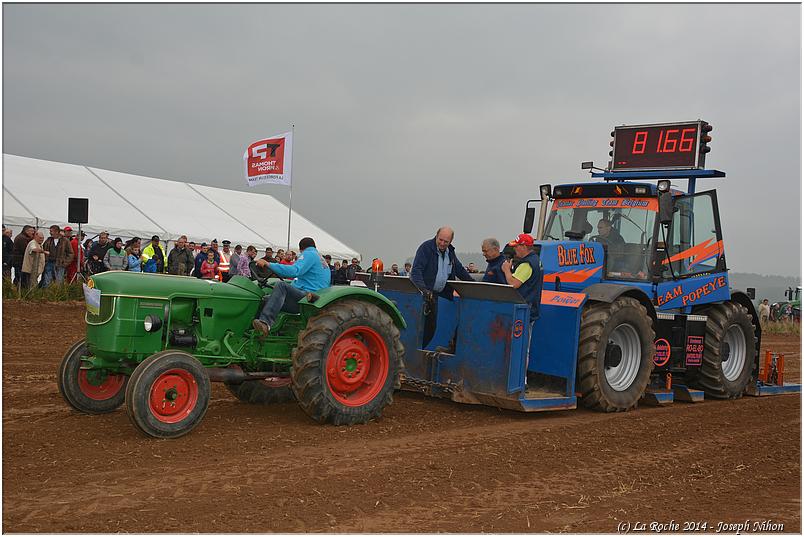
78, 210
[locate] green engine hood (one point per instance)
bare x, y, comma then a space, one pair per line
166, 286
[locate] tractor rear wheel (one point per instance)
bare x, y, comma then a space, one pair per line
263, 392
615, 354
91, 392
168, 394
729, 352
347, 363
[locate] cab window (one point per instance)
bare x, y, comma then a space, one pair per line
695, 244
625, 233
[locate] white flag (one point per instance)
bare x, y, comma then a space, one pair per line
268, 161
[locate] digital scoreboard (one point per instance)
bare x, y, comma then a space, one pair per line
664, 146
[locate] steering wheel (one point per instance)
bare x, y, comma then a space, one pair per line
260, 274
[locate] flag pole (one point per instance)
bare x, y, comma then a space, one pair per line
290, 201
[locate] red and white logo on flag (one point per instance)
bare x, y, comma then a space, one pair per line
268, 161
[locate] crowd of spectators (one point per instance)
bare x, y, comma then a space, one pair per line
30, 259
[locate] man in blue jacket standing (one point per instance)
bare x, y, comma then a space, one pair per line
436, 263
494, 259
311, 274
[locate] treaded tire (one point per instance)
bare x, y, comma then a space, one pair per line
710, 377
150, 402
258, 392
318, 350
598, 321
76, 389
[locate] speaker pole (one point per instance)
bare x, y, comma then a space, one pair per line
77, 275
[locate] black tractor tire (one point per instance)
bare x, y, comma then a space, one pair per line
728, 325
168, 394
605, 329
347, 334
85, 393
261, 392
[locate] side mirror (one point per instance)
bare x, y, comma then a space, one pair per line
530, 216
665, 208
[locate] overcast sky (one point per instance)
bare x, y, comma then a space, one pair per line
409, 117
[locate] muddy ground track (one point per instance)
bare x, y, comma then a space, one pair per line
427, 466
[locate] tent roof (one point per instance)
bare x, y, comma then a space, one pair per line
36, 191
269, 213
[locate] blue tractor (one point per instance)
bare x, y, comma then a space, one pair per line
635, 306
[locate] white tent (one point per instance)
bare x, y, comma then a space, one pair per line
35, 192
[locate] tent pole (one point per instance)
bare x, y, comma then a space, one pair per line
290, 210
290, 200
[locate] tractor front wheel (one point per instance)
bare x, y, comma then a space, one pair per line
615, 354
347, 363
168, 394
89, 391
263, 392
729, 352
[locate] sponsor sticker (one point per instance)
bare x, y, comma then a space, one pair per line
695, 348
662, 352
559, 298
519, 327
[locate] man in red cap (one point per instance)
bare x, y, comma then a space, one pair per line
527, 278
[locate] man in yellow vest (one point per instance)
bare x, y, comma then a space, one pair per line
154, 251
226, 256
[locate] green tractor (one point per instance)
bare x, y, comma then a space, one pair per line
789, 309
156, 341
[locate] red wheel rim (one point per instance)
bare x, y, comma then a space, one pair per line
99, 386
357, 366
174, 395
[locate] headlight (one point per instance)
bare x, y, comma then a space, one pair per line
152, 323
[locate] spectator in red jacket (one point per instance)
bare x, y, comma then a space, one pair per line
209, 268
77, 254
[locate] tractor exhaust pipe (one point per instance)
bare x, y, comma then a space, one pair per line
235, 375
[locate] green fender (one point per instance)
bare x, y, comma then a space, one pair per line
342, 292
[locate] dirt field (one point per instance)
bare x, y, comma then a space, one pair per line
427, 466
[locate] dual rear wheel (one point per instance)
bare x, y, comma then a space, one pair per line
616, 352
729, 352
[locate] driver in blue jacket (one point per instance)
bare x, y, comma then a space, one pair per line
311, 274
